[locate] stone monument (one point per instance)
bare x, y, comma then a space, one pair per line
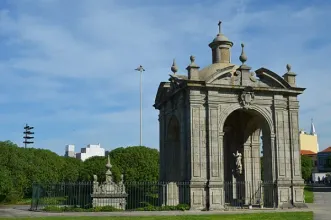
109, 193
211, 122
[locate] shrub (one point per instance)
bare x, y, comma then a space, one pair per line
179, 207
53, 208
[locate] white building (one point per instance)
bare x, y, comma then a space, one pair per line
90, 150
70, 151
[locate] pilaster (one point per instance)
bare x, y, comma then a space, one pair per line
248, 172
162, 134
183, 137
297, 189
215, 150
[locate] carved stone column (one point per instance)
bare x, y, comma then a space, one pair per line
198, 157
270, 193
297, 189
216, 186
162, 133
282, 152
248, 181
183, 138
256, 171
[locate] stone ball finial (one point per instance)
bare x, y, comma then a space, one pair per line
243, 57
288, 67
108, 165
192, 58
174, 67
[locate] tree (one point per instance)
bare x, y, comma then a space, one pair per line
71, 169
6, 184
93, 166
307, 166
21, 167
137, 163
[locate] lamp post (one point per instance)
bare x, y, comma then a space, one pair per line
141, 69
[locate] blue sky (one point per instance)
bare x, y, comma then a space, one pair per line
67, 67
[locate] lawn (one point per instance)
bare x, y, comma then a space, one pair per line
255, 216
309, 195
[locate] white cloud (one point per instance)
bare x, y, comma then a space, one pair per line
68, 68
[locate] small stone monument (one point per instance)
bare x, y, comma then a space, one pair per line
109, 193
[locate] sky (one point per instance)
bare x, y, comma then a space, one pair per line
67, 66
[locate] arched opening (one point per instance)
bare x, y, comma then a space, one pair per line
246, 148
173, 150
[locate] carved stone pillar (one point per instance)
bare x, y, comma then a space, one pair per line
256, 171
162, 133
282, 152
198, 158
248, 172
183, 138
297, 189
216, 185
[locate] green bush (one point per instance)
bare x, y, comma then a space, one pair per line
105, 209
53, 208
14, 197
180, 207
53, 200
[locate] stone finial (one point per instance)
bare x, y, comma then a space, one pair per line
289, 72
193, 64
108, 165
192, 58
193, 69
108, 172
174, 67
289, 76
288, 67
243, 57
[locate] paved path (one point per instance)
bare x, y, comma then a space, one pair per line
322, 203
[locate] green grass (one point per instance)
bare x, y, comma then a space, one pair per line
254, 216
309, 195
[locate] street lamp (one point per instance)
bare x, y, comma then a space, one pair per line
141, 69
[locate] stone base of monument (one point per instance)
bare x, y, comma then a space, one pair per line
117, 201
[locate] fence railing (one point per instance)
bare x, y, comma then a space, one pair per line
146, 196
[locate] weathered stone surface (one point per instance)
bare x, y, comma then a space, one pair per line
225, 108
109, 193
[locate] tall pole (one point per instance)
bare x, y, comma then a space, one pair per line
28, 135
141, 69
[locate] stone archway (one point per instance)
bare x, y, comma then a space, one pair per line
242, 129
204, 101
173, 150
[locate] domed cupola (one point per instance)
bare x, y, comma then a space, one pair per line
220, 47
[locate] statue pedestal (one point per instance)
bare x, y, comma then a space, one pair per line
117, 201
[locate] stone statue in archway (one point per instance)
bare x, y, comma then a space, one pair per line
238, 157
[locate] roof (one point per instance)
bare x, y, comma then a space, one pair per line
221, 38
212, 69
327, 150
307, 152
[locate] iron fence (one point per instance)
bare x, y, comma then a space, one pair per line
245, 194
147, 196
